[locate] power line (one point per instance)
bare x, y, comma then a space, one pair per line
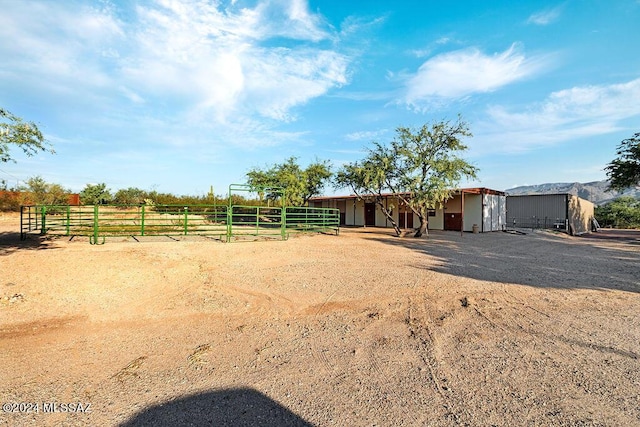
18, 180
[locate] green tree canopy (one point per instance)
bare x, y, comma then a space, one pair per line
42, 192
130, 196
420, 166
15, 131
299, 184
623, 212
624, 171
96, 194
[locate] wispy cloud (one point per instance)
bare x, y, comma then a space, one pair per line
58, 45
223, 61
426, 51
565, 115
212, 62
365, 135
545, 17
459, 74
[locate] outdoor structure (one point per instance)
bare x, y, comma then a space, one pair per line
482, 207
564, 212
227, 222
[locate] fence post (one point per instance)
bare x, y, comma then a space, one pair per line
95, 224
68, 219
283, 222
257, 220
186, 214
229, 219
43, 220
142, 221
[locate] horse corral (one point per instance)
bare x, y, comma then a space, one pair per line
227, 222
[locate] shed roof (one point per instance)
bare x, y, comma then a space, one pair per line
472, 190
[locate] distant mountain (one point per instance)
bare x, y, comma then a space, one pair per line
595, 192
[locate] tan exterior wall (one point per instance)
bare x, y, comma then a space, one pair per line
472, 211
435, 222
580, 215
453, 205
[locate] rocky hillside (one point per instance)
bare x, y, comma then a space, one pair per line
593, 191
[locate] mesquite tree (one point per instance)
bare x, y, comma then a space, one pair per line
624, 171
26, 135
420, 166
299, 184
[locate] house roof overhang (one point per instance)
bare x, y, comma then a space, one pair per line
472, 190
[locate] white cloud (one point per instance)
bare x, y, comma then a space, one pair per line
565, 115
545, 17
207, 62
365, 135
459, 74
291, 18
424, 52
220, 59
55, 44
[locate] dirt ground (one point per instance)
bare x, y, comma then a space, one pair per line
360, 329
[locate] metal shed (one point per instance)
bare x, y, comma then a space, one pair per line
564, 212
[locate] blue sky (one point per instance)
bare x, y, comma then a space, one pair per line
178, 96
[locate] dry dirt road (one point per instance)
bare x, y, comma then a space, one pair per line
360, 329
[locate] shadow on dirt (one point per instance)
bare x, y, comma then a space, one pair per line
10, 242
230, 407
537, 259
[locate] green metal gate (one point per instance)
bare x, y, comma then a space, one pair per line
225, 222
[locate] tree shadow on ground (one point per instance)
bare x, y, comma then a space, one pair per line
539, 259
230, 407
10, 242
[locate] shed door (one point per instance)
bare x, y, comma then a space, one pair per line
409, 219
370, 214
453, 221
342, 206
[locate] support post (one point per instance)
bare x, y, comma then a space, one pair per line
96, 229
43, 221
186, 214
462, 214
68, 219
283, 222
142, 221
257, 220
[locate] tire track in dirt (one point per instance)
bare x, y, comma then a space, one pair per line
263, 304
383, 381
586, 339
316, 351
584, 350
418, 320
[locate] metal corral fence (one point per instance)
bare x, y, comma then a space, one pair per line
538, 223
227, 223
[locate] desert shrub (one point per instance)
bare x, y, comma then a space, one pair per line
623, 212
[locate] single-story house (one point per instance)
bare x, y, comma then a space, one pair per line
482, 207
562, 211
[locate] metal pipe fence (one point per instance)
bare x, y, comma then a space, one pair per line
533, 223
227, 223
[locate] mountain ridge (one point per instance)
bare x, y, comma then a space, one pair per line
594, 191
